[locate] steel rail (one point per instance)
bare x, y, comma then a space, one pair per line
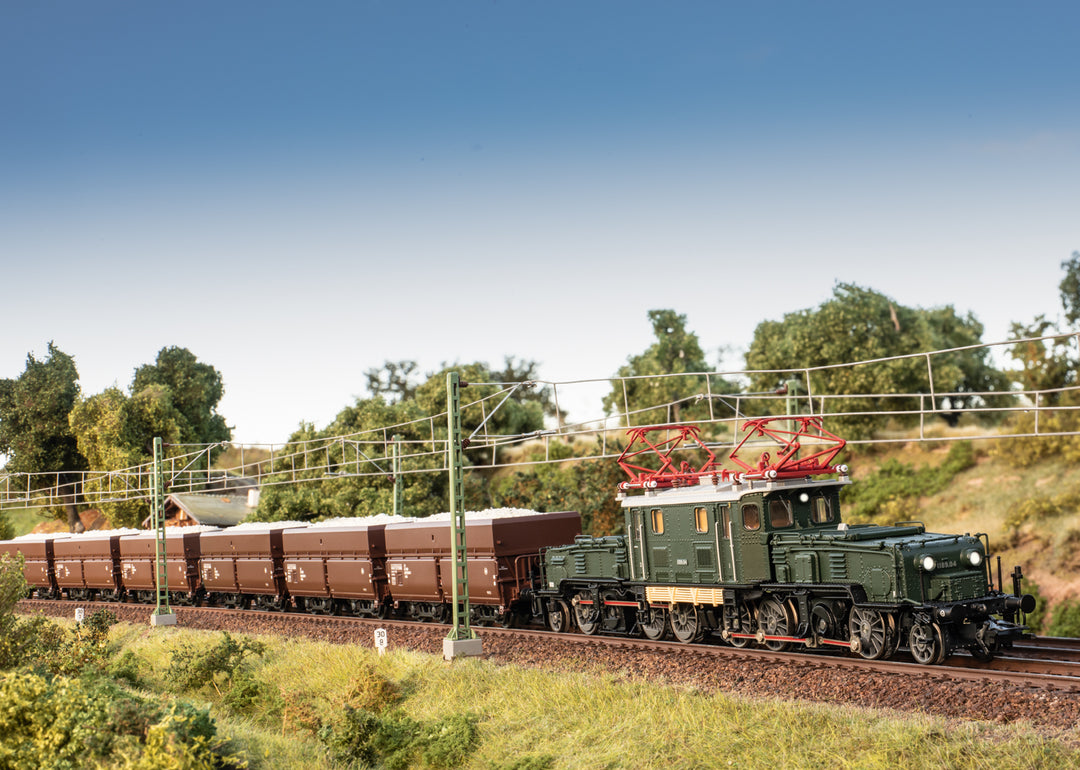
1061, 675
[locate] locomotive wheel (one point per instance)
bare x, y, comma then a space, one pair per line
746, 625
587, 615
686, 623
873, 631
615, 619
927, 643
775, 620
654, 625
558, 616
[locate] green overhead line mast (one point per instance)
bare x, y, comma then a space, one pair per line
461, 640
162, 615
395, 470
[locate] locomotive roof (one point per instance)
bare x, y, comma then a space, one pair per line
725, 491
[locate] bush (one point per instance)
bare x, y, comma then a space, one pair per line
1065, 620
192, 669
248, 695
893, 490
371, 691
397, 741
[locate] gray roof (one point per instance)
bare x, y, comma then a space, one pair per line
219, 510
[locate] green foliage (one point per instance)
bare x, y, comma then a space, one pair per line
1038, 510
397, 741
49, 722
1065, 620
676, 351
34, 429
860, 324
47, 647
174, 399
357, 480
370, 690
13, 586
34, 410
530, 762
126, 668
586, 486
246, 694
892, 491
1070, 288
194, 391
192, 668
329, 478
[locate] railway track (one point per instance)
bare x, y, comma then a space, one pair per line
1047, 663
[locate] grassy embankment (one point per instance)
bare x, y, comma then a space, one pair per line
542, 719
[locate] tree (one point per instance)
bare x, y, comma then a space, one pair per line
676, 351
175, 399
860, 324
194, 392
34, 429
1051, 367
522, 413
1070, 288
114, 432
394, 382
351, 476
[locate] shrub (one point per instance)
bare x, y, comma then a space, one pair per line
192, 669
371, 691
249, 695
397, 741
1065, 620
893, 490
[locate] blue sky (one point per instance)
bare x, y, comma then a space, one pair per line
299, 191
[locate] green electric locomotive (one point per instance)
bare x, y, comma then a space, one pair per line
762, 556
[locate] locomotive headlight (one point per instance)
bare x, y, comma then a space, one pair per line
974, 558
928, 563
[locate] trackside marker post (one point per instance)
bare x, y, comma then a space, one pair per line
380, 640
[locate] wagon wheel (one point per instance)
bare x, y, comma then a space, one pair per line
873, 630
586, 615
775, 619
686, 623
558, 616
653, 623
927, 643
746, 625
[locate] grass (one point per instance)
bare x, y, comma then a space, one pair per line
587, 718
23, 520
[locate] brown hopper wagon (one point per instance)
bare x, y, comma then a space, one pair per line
88, 565
138, 555
38, 569
337, 568
243, 566
504, 558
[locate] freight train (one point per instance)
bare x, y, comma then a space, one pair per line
376, 566
757, 555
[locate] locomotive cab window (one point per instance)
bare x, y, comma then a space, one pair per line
780, 513
751, 517
725, 521
821, 510
701, 519
657, 521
